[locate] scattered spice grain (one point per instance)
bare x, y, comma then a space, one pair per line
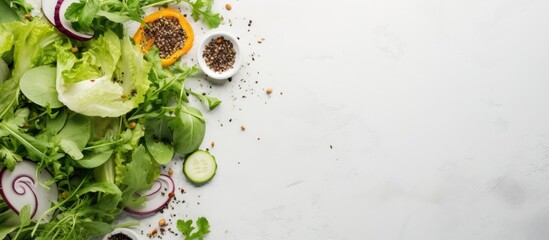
228, 7
269, 90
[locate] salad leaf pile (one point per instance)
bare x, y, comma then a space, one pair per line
100, 116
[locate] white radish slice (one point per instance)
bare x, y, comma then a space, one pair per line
20, 188
157, 197
64, 25
48, 8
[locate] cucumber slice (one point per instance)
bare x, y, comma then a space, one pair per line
200, 167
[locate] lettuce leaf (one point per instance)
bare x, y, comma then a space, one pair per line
109, 80
28, 41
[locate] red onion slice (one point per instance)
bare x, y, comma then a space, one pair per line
64, 25
157, 197
20, 188
48, 8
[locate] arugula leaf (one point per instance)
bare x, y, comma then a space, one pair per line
202, 9
211, 102
202, 228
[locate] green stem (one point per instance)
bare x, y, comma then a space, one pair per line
128, 224
103, 145
56, 206
160, 3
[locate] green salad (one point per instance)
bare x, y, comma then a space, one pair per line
98, 117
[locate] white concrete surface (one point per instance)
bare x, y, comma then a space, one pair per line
437, 113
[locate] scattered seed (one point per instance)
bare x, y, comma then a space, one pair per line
228, 7
170, 172
242, 127
132, 124
162, 222
171, 195
64, 195
212, 144
154, 231
28, 16
269, 90
74, 49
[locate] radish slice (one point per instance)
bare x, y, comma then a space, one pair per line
48, 8
157, 197
20, 188
64, 25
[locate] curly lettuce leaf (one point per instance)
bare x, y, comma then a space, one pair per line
109, 80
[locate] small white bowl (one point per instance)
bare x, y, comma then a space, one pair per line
130, 233
202, 63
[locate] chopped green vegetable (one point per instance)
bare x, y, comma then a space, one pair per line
202, 9
202, 228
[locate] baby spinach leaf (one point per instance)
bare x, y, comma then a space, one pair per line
74, 136
38, 85
94, 159
54, 125
188, 130
70, 147
157, 140
77, 129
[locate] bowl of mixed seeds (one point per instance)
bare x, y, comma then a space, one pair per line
219, 55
